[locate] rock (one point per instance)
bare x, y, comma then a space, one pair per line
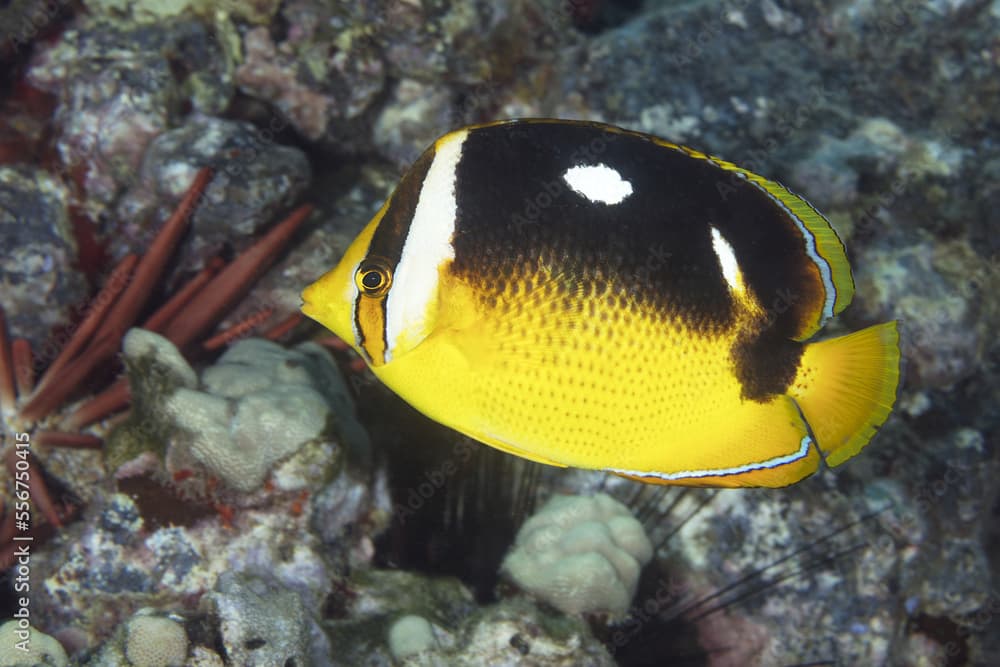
261, 623
254, 180
330, 93
377, 599
21, 21
38, 252
117, 92
310, 87
411, 120
121, 519
938, 291
394, 617
259, 11
204, 657
515, 632
94, 582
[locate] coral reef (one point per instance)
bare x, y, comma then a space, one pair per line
254, 461
136, 548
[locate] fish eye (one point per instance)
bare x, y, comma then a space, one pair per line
373, 278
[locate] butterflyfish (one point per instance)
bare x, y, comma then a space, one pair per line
582, 295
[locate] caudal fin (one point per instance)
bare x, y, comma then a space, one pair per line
846, 388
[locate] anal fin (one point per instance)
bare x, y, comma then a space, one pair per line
760, 444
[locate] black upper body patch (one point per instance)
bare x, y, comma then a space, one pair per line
515, 206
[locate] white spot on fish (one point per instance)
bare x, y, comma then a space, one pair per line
598, 183
727, 260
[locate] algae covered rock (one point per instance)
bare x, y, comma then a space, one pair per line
580, 554
254, 180
38, 251
262, 623
116, 91
940, 292
404, 618
516, 632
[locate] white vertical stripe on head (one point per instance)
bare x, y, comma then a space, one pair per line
427, 246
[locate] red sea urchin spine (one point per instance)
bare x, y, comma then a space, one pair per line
149, 269
284, 326
175, 304
71, 440
113, 399
37, 490
97, 310
8, 396
122, 314
24, 366
238, 330
233, 282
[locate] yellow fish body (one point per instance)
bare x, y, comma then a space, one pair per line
581, 295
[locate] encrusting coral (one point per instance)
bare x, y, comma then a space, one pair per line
40, 649
410, 635
580, 554
155, 641
255, 408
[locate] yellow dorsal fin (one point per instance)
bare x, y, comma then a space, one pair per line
823, 245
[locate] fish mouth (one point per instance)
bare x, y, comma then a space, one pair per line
308, 305
309, 310
332, 317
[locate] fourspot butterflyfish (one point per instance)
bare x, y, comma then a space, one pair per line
582, 295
